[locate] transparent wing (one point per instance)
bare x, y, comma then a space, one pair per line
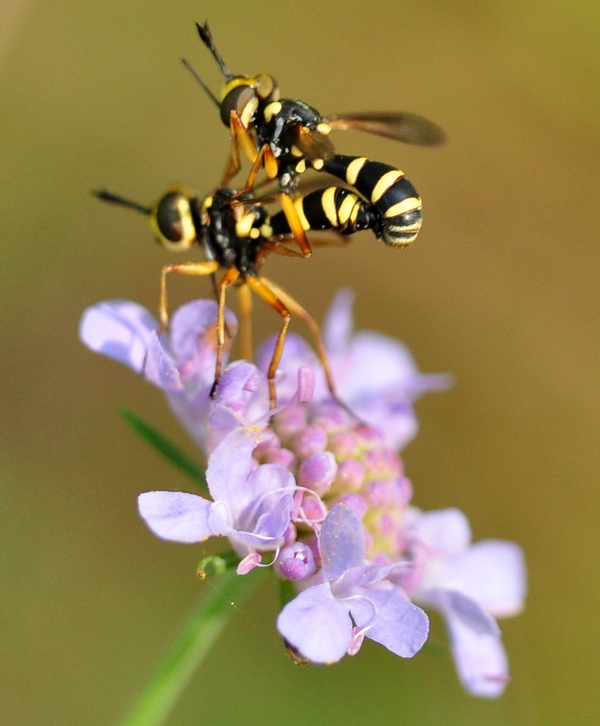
406, 127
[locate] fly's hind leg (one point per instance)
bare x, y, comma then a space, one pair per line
312, 325
263, 289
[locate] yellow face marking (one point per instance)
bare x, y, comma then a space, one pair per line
317, 164
272, 110
385, 183
254, 233
347, 208
328, 204
353, 170
406, 205
244, 225
301, 166
207, 203
301, 215
296, 151
324, 129
248, 112
266, 230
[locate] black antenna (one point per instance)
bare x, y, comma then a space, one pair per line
107, 196
201, 82
207, 39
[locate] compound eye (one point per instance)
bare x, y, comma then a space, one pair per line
172, 221
241, 99
266, 87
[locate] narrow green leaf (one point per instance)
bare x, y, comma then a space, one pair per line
190, 648
164, 447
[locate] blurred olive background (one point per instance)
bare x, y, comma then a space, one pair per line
501, 289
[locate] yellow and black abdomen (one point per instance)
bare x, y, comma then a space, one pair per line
396, 200
332, 208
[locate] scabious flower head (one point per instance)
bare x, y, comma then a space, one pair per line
317, 489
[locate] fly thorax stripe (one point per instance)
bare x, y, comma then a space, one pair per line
384, 183
271, 110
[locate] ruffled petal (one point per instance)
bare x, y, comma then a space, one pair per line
176, 516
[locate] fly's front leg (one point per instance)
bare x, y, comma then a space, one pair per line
229, 278
187, 268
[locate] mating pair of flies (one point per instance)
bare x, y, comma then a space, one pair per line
283, 137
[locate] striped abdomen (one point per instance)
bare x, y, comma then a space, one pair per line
394, 197
333, 208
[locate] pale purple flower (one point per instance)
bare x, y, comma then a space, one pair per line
375, 376
317, 623
181, 362
251, 504
321, 487
470, 584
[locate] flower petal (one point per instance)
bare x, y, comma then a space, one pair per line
445, 531
193, 326
342, 542
493, 573
393, 620
338, 324
480, 660
316, 625
231, 463
159, 367
457, 606
175, 516
119, 329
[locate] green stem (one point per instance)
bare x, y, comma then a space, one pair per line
189, 649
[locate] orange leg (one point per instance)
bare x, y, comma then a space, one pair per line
187, 268
246, 321
291, 214
312, 325
240, 138
263, 289
228, 278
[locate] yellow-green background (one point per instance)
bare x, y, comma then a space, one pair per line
501, 289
